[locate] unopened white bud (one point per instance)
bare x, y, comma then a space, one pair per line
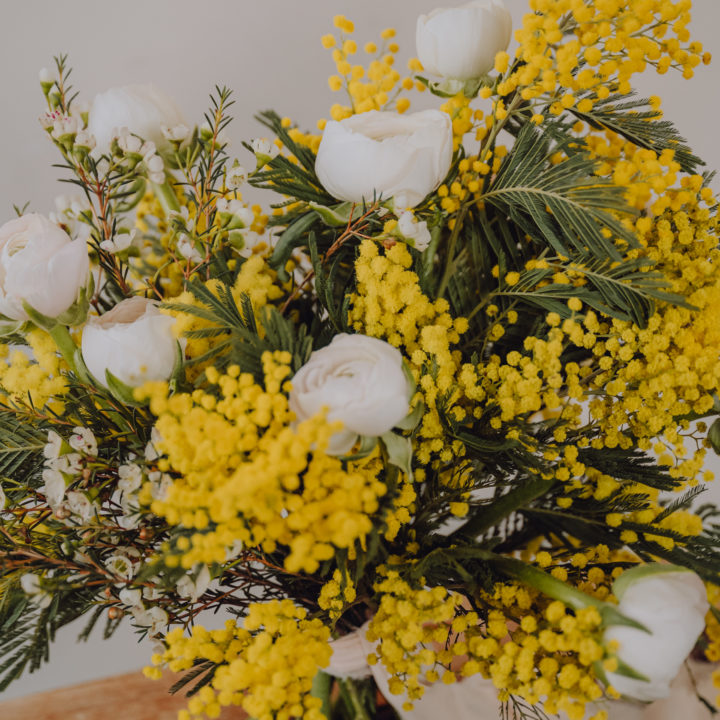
154, 164
128, 143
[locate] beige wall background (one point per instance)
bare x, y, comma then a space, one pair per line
269, 52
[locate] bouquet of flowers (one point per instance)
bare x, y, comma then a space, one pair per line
432, 422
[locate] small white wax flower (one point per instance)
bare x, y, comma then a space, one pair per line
360, 381
239, 212
193, 586
79, 506
120, 241
154, 618
160, 483
128, 143
187, 249
151, 449
53, 488
176, 133
234, 550
251, 240
130, 477
414, 231
45, 76
264, 150
83, 441
131, 597
121, 566
53, 445
236, 176
142, 109
385, 154
69, 463
85, 139
65, 125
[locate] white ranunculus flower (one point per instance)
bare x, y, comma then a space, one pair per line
672, 606
134, 341
461, 43
385, 153
360, 381
142, 109
41, 266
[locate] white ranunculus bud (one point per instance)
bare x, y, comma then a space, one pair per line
461, 43
360, 381
134, 341
414, 231
672, 605
142, 109
41, 266
385, 153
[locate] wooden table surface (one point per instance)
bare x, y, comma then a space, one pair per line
130, 697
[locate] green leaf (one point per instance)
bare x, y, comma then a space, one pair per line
120, 391
293, 237
399, 451
565, 203
636, 121
714, 436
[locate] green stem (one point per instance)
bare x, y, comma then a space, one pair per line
360, 713
450, 264
322, 683
166, 197
65, 344
502, 507
559, 590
